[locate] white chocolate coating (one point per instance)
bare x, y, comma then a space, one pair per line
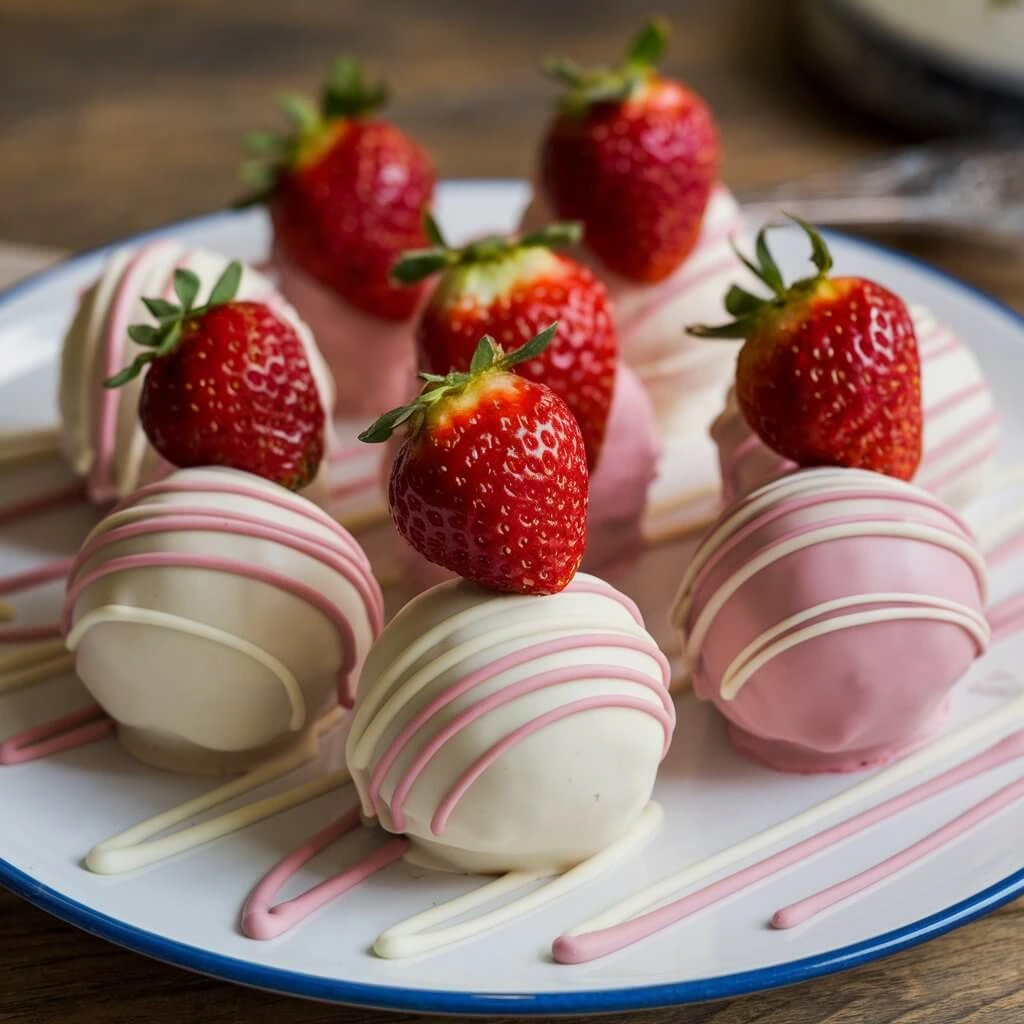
100, 432
460, 673
215, 616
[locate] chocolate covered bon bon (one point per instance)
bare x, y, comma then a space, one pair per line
828, 614
509, 732
215, 616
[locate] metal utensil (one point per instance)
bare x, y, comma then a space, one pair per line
948, 189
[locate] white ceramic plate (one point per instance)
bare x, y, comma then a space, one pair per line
185, 910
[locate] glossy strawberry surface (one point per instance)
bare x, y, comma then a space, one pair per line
493, 486
514, 298
237, 390
638, 173
836, 380
350, 205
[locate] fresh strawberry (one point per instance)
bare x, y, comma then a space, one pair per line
228, 384
346, 193
511, 288
829, 372
491, 480
634, 156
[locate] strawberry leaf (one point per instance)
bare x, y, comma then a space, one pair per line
433, 230
533, 348
227, 284
160, 308
648, 46
144, 334
348, 94
820, 255
300, 111
131, 371
553, 236
768, 269
186, 287
742, 327
418, 264
485, 354
265, 144
739, 302
380, 430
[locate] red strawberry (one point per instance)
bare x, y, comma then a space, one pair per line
829, 373
634, 156
511, 289
491, 481
228, 384
346, 193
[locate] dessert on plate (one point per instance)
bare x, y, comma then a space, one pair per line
470, 698
512, 288
828, 614
960, 431
215, 616
634, 156
346, 191
508, 723
99, 429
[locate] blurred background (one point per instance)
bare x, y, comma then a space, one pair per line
119, 115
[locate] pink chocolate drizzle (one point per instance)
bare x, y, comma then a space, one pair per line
262, 920
348, 561
55, 570
575, 949
555, 677
101, 478
56, 736
59, 497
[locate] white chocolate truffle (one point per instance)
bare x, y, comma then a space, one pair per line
509, 732
215, 616
100, 432
961, 425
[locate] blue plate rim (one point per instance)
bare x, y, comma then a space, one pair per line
387, 997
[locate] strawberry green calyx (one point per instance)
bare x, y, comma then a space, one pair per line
586, 86
164, 338
418, 264
346, 94
750, 311
487, 359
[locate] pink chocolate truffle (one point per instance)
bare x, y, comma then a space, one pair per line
828, 614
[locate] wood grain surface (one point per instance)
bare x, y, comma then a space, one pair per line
119, 115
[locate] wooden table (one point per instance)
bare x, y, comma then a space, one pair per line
119, 116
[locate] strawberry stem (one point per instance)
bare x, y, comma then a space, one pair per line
749, 310
161, 340
487, 358
587, 86
345, 94
417, 264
